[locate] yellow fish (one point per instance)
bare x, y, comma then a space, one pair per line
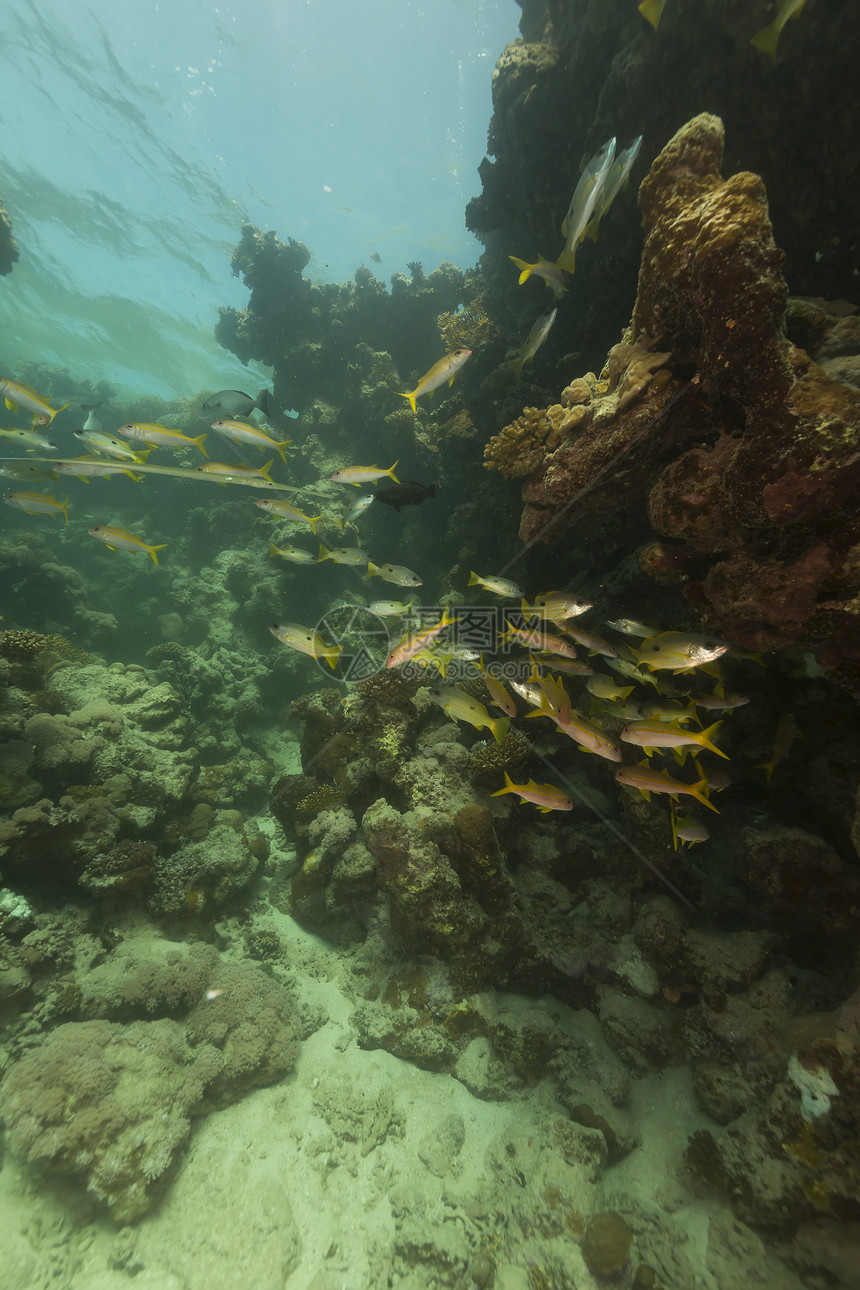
396, 573
650, 781
358, 475
460, 706
662, 734
244, 432
786, 733
445, 370
546, 797
653, 11
29, 438
498, 694
557, 606
121, 540
617, 178
603, 687
687, 828
286, 511
766, 40
343, 555
161, 436
38, 504
533, 342
587, 736
584, 202
417, 643
543, 642
498, 586
18, 396
296, 554
306, 641
678, 651
551, 273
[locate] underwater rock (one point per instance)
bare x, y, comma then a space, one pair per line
8, 245
340, 343
606, 1244
756, 497
206, 875
113, 1103
107, 763
639, 1034
791, 1158
109, 1103
805, 881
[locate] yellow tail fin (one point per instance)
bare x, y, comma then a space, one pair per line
699, 792
499, 727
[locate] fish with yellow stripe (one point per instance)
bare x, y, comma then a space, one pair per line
244, 432
160, 436
306, 641
542, 268
116, 539
38, 504
648, 781
546, 797
440, 373
650, 735
19, 396
678, 651
460, 706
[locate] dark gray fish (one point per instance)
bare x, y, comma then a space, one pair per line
406, 493
235, 403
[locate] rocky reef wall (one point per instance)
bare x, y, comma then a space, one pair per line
589, 69
746, 450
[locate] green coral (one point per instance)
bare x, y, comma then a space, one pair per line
489, 760
465, 328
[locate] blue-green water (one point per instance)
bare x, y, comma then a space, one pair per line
300, 989
137, 140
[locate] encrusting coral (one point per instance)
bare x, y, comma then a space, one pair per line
746, 451
113, 1103
466, 328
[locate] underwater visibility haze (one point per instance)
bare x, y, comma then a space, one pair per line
430, 645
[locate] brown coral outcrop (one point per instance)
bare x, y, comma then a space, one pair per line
8, 245
747, 451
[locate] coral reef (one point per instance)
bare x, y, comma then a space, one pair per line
113, 1103
8, 245
310, 334
745, 450
582, 73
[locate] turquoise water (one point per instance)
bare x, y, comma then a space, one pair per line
299, 988
138, 138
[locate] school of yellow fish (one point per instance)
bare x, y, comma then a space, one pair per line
546, 629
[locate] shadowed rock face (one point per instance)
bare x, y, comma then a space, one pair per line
8, 245
747, 452
587, 71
